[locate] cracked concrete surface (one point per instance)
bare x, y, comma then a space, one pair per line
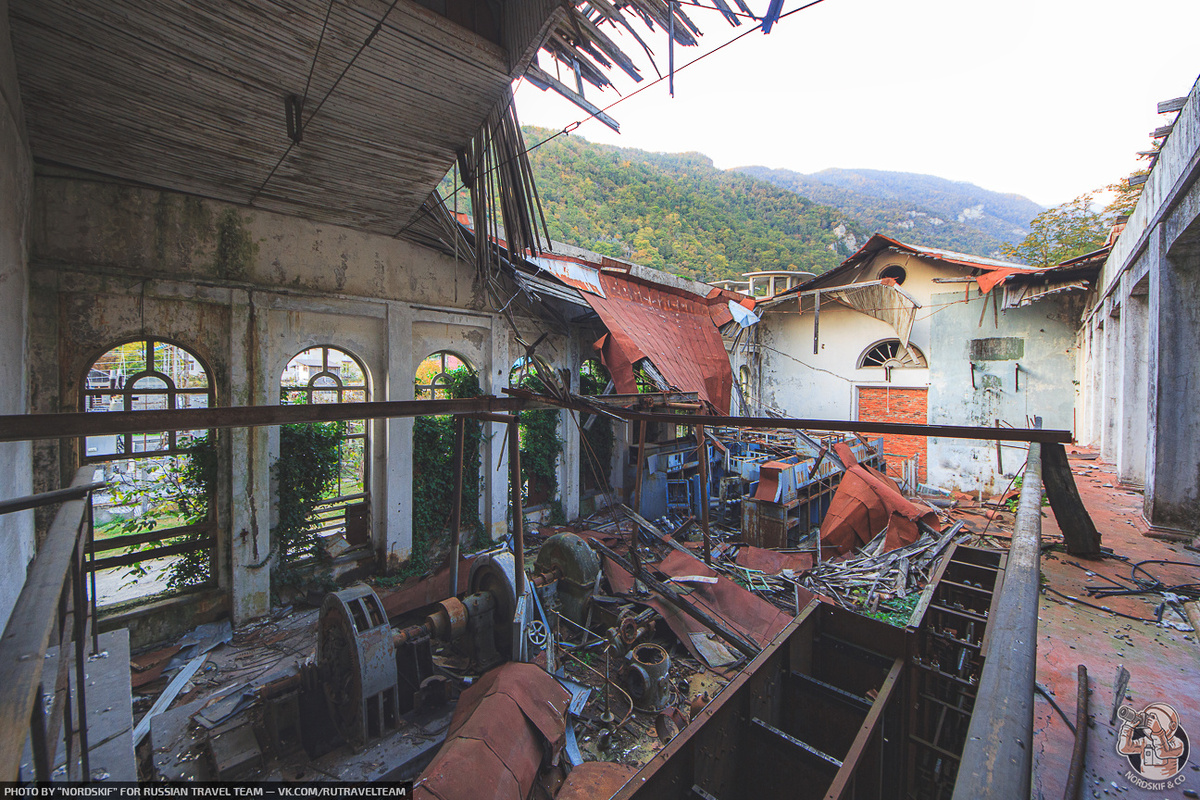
1164, 662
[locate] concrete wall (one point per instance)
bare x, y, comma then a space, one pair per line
791, 378
246, 290
1047, 333
16, 176
1141, 367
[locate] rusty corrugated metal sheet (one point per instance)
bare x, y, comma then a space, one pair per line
504, 727
865, 503
676, 330
572, 271
772, 562
737, 607
595, 780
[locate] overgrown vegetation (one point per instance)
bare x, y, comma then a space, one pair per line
540, 449
433, 479
679, 213
307, 467
597, 432
166, 493
1076, 227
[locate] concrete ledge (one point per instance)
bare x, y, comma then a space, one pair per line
1165, 534
165, 620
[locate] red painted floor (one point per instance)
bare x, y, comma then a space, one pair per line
1164, 662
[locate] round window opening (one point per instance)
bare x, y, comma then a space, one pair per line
895, 272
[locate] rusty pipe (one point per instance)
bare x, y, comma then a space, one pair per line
1079, 753
514, 482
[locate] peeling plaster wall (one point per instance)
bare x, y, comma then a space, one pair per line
246, 290
791, 379
1048, 332
16, 176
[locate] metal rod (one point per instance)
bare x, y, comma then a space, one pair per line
999, 455
816, 321
997, 757
48, 498
637, 483
673, 597
460, 431
1079, 754
702, 457
27, 427
980, 432
90, 555
637, 504
514, 482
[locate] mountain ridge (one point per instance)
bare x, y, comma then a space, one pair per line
920, 209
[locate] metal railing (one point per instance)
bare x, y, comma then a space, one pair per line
998, 754
53, 609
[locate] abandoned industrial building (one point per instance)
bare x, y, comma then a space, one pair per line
313, 473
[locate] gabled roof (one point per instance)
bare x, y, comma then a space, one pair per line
879, 243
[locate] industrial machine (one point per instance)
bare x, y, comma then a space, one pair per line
369, 671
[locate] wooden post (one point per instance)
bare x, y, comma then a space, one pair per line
1079, 532
514, 485
456, 511
702, 457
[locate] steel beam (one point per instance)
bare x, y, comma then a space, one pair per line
26, 427
997, 756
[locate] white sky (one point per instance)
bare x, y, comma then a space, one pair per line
1045, 98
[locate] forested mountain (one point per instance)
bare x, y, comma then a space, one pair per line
679, 213
919, 209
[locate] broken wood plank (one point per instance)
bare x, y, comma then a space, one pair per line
1079, 532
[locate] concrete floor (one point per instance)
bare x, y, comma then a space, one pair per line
1164, 662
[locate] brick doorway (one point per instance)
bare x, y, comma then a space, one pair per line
891, 404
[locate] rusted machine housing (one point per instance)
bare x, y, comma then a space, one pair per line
357, 658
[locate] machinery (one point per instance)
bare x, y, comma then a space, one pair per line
368, 673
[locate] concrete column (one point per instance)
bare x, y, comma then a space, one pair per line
1131, 434
250, 501
492, 378
1173, 457
1111, 385
568, 464
1096, 383
398, 385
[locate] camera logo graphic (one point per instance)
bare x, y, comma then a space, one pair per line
1153, 741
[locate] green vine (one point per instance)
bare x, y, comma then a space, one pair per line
598, 437
168, 493
307, 466
540, 448
433, 478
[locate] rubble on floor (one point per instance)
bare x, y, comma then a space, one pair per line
616, 639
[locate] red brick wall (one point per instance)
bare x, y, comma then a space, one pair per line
885, 404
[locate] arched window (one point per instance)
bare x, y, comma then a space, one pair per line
444, 376
434, 374
540, 441
890, 354
155, 526
328, 374
144, 375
